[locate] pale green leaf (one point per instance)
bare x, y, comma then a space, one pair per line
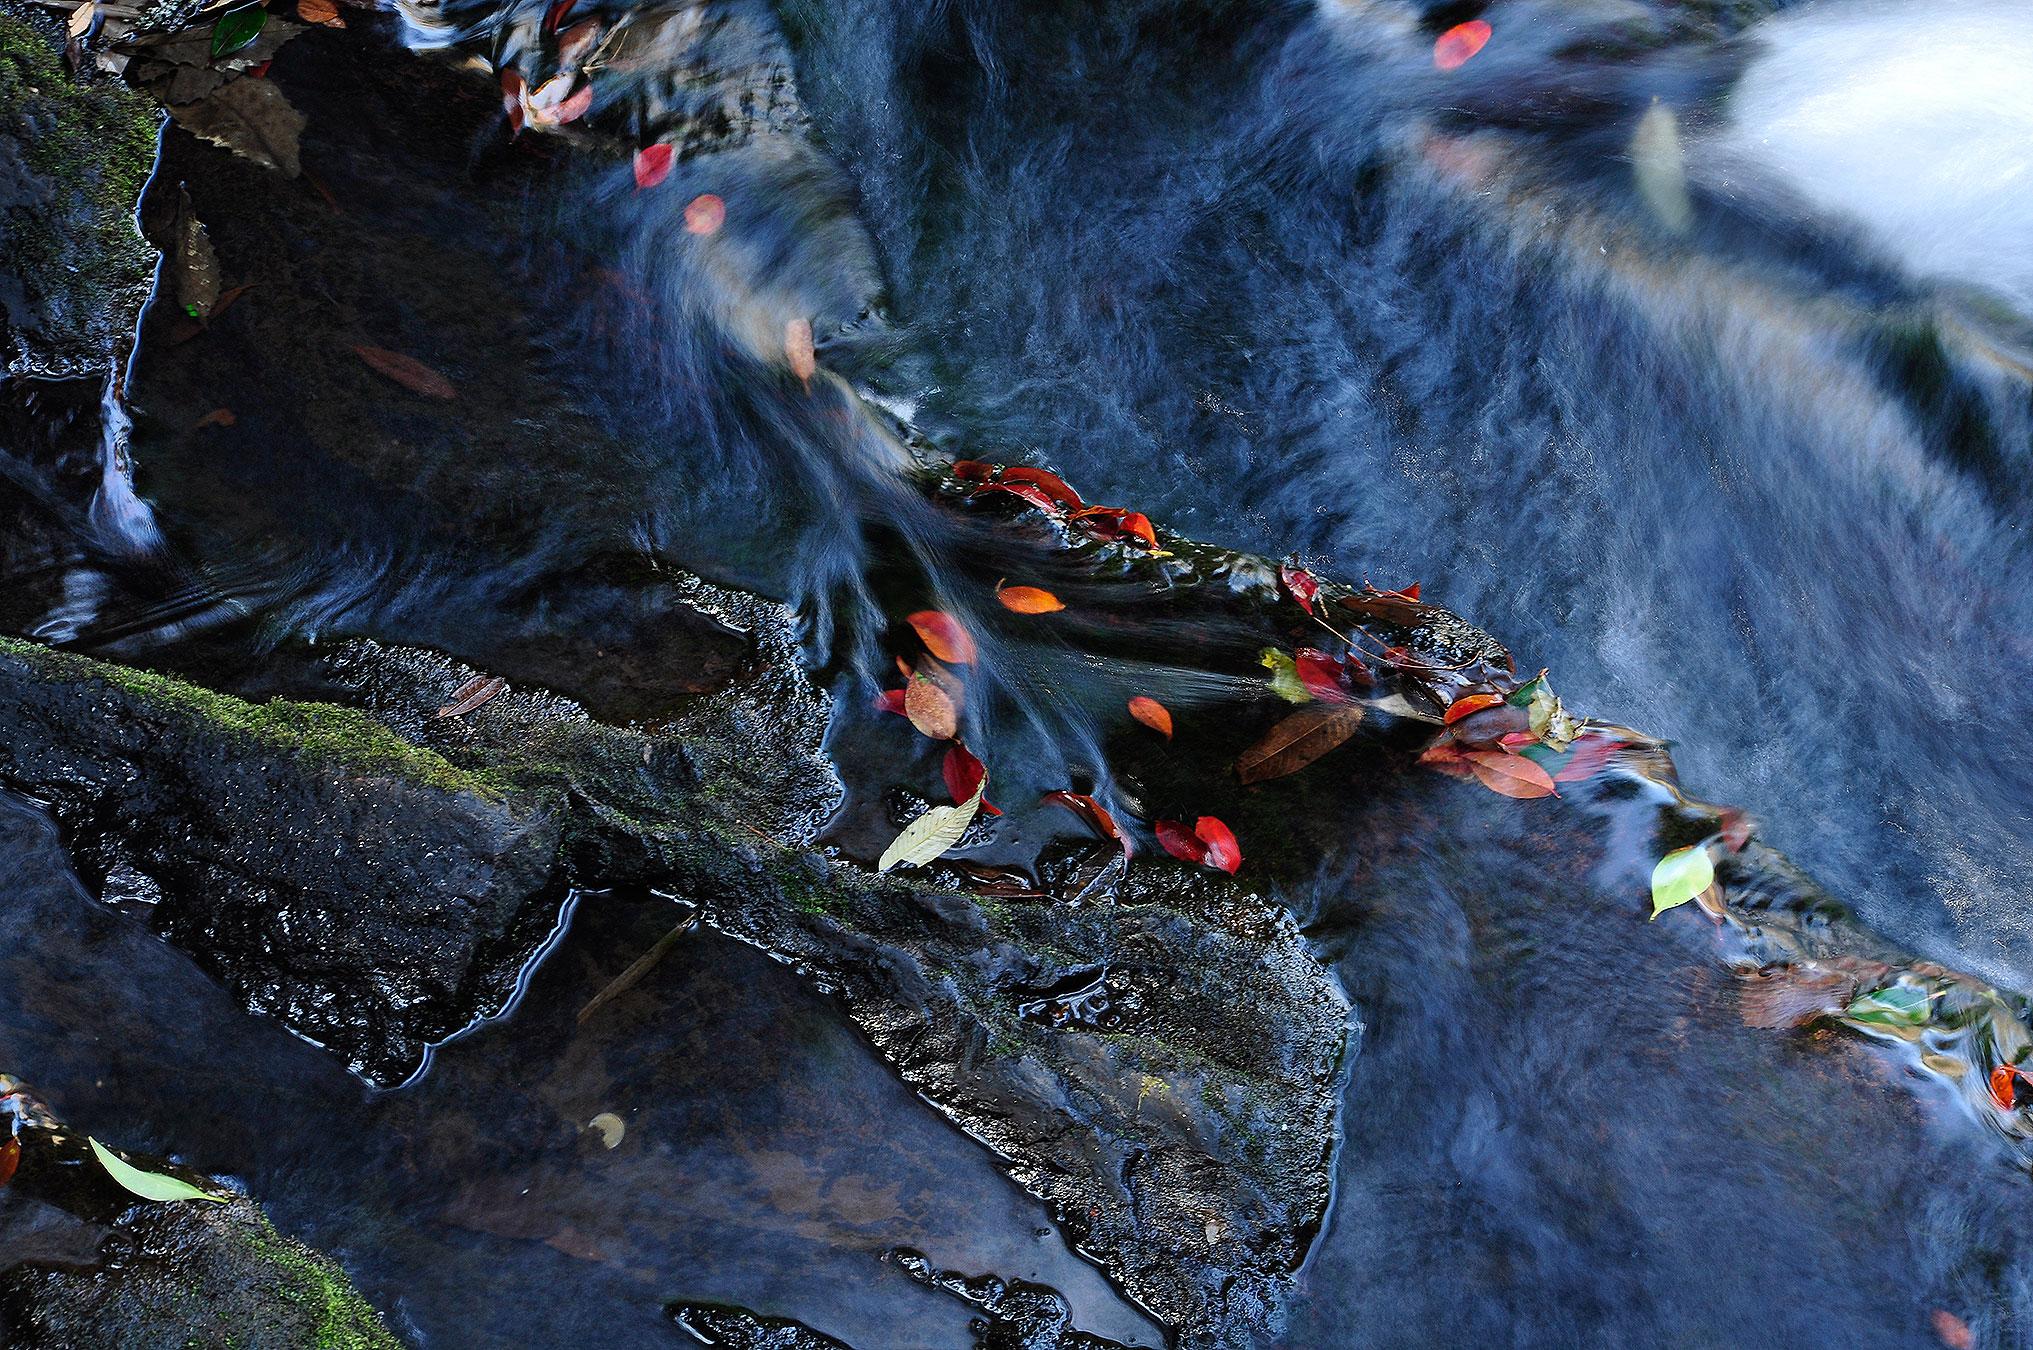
931, 834
1680, 876
1285, 681
1898, 1005
149, 1185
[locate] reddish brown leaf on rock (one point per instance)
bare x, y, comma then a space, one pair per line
1469, 703
1046, 482
1399, 607
963, 774
931, 709
1448, 758
472, 694
1298, 740
943, 636
1112, 522
218, 417
798, 349
1094, 813
1222, 849
1139, 524
10, 1158
1028, 600
512, 91
653, 165
573, 42
1303, 585
407, 371
705, 214
1024, 492
973, 470
1152, 714
1180, 842
318, 11
1487, 727
1511, 775
1953, 1331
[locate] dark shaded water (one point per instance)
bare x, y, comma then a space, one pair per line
1732, 436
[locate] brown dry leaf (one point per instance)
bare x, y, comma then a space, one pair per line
251, 118
472, 694
194, 267
931, 709
81, 20
319, 11
1298, 740
407, 371
798, 349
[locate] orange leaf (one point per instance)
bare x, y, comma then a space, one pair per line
1152, 714
2003, 1086
407, 371
705, 214
1091, 811
798, 348
1298, 740
317, 11
943, 636
653, 165
1139, 524
1511, 775
1048, 483
1222, 849
218, 417
1453, 48
1026, 492
931, 709
1469, 703
1029, 600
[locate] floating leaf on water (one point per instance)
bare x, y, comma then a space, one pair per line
1896, 1005
149, 1185
1321, 674
1587, 757
943, 636
1661, 169
610, 1127
1453, 48
1285, 681
252, 118
653, 165
406, 371
193, 266
472, 694
1298, 740
965, 776
1050, 484
931, 709
705, 214
2005, 1087
1469, 703
1952, 1331
236, 28
1152, 714
1680, 876
930, 835
1028, 600
1094, 813
1509, 774
798, 348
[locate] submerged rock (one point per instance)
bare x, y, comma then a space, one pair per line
88, 1264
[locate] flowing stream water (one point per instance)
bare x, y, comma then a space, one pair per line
1688, 348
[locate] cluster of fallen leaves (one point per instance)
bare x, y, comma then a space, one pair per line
1049, 493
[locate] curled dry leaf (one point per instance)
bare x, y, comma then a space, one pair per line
653, 165
1152, 714
930, 835
943, 636
931, 709
1298, 740
965, 776
407, 371
1511, 775
705, 214
252, 118
798, 349
1028, 600
472, 694
1094, 813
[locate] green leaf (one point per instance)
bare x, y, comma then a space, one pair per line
1897, 1005
931, 834
149, 1185
1522, 696
236, 28
1285, 681
1680, 876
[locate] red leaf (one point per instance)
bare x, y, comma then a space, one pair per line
1303, 585
1321, 674
705, 214
1028, 600
1736, 826
653, 164
1139, 524
10, 1158
1112, 522
556, 14
931, 709
1511, 775
1024, 491
511, 97
407, 371
1469, 703
1091, 811
1050, 484
891, 701
964, 773
798, 348
1180, 842
1152, 714
573, 41
1452, 48
574, 107
943, 636
1589, 756
2002, 1087
1448, 758
973, 471
1222, 849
